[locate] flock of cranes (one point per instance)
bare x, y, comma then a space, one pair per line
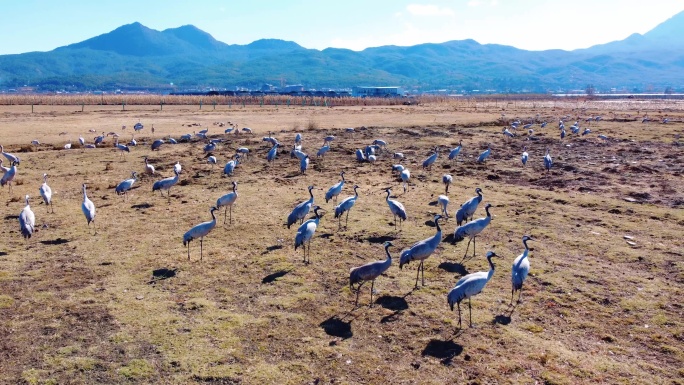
420, 251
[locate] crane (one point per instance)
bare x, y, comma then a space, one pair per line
8, 177
27, 220
200, 231
148, 167
231, 164
227, 201
548, 162
427, 163
212, 161
472, 229
125, 185
454, 153
484, 155
443, 201
303, 165
447, 179
88, 209
270, 157
396, 208
521, 267
524, 156
346, 205
335, 190
46, 193
10, 157
177, 167
157, 144
421, 250
301, 210
166, 184
468, 208
122, 147
369, 272
468, 286
305, 233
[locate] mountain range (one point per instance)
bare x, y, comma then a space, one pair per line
136, 57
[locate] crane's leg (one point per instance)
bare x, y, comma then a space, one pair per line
201, 242
188, 250
422, 274
474, 247
346, 221
447, 189
372, 286
231, 214
459, 314
417, 273
394, 219
512, 292
520, 295
470, 313
225, 214
467, 247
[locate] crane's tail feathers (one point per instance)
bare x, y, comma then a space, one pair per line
405, 258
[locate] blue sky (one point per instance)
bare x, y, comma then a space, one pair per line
42, 25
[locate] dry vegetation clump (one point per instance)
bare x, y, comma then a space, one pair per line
602, 303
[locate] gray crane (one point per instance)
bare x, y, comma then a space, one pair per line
228, 200
396, 208
27, 220
301, 210
335, 190
521, 267
472, 229
305, 233
200, 231
468, 208
346, 205
369, 272
46, 193
421, 250
468, 286
166, 184
88, 209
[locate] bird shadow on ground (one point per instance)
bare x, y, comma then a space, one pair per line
445, 351
272, 248
142, 206
380, 239
451, 267
292, 175
162, 274
433, 203
2, 253
336, 327
274, 276
449, 238
397, 304
502, 319
430, 223
326, 235
11, 217
58, 241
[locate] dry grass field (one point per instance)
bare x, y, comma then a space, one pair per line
127, 306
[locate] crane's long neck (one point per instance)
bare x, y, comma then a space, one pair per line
342, 175
389, 257
491, 268
356, 193
234, 187
213, 217
388, 195
311, 195
85, 196
488, 214
479, 195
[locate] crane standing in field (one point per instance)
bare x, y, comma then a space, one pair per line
468, 286
346, 205
228, 200
447, 179
10, 157
149, 169
453, 154
421, 250
396, 208
472, 229
125, 185
443, 201
335, 190
46, 193
8, 177
200, 231
468, 208
548, 162
27, 220
524, 156
430, 160
369, 272
301, 210
484, 155
305, 233
88, 209
166, 184
521, 267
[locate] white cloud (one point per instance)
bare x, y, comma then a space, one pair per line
429, 10
477, 3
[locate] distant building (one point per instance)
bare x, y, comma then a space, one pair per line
378, 92
293, 88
